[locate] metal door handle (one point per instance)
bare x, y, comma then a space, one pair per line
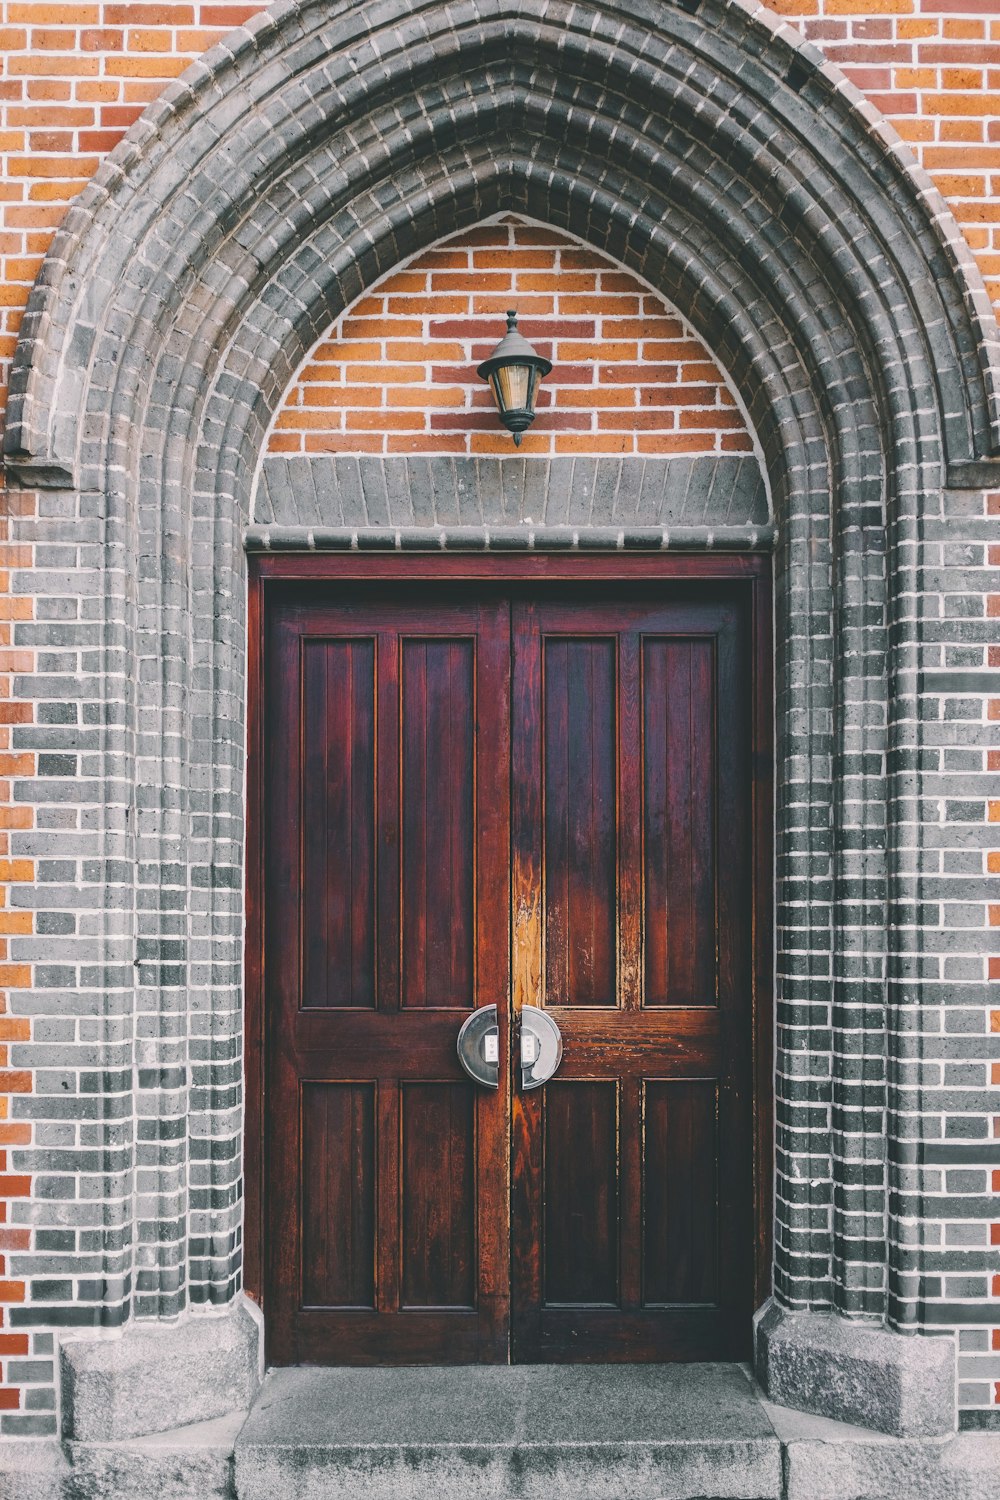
541, 1047
479, 1047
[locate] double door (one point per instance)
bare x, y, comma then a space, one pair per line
507, 797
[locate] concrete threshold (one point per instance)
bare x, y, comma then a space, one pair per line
524, 1432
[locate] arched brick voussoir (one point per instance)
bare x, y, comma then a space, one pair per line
370, 235
668, 236
689, 177
367, 238
257, 105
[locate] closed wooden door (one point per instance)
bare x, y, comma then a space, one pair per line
508, 795
632, 1209
387, 784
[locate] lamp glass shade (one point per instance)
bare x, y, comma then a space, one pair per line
514, 387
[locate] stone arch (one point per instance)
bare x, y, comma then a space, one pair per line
702, 145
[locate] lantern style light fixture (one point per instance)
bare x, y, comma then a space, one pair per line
514, 371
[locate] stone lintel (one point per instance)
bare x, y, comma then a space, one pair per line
861, 1373
367, 493
155, 1377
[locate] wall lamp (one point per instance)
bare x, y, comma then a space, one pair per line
514, 371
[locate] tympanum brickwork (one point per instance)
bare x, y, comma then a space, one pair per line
397, 374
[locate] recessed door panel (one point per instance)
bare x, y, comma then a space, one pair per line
680, 1192
438, 1195
338, 822
338, 1194
679, 822
580, 821
438, 792
581, 1194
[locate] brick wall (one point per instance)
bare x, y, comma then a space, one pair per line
397, 372
76, 77
933, 68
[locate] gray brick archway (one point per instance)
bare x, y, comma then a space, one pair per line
708, 149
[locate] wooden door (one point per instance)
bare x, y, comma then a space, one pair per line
632, 1222
387, 762
409, 731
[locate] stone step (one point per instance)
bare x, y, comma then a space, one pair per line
583, 1433
529, 1432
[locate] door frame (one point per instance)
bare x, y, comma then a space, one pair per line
752, 571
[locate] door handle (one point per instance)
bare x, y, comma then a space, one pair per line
479, 1047
541, 1047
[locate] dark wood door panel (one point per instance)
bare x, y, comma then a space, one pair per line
580, 1192
681, 1220
580, 861
679, 813
387, 849
340, 1194
438, 1208
632, 1168
438, 822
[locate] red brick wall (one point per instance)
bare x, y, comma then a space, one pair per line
933, 68
77, 76
397, 373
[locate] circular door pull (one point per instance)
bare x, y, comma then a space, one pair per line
541, 1047
479, 1047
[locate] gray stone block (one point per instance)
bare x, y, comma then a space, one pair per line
32, 1470
827, 1460
855, 1372
188, 1463
154, 1378
964, 1467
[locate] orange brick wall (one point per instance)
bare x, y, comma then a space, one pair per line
933, 68
76, 76
397, 373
